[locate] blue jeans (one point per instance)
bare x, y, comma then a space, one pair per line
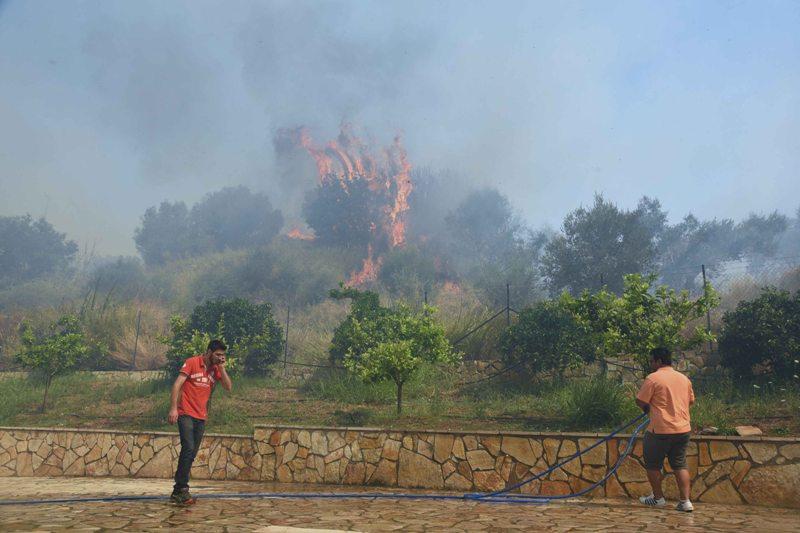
191, 432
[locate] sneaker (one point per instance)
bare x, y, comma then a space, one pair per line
686, 506
652, 501
182, 497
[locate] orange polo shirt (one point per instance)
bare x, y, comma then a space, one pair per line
196, 390
669, 394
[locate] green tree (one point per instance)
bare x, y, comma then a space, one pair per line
54, 351
380, 343
642, 318
598, 245
763, 334
31, 249
166, 234
235, 218
547, 337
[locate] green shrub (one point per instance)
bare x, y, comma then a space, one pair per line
763, 335
598, 402
547, 337
254, 337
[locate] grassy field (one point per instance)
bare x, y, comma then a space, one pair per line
81, 400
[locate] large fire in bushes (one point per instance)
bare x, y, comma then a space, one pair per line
347, 159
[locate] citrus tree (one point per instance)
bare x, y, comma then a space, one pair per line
644, 317
389, 344
52, 351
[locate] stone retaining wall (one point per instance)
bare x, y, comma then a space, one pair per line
759, 471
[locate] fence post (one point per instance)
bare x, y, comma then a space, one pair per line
708, 312
508, 305
425, 296
286, 341
136, 341
601, 280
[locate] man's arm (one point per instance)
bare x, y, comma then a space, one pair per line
173, 399
224, 378
644, 406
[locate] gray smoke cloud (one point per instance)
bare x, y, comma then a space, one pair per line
108, 107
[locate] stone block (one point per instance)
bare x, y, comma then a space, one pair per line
304, 439
761, 452
480, 460
319, 443
551, 447
723, 468
554, 488
568, 448
595, 456
614, 489
520, 449
335, 441
488, 480
492, 444
457, 482
289, 452
721, 450
334, 455
791, 451
470, 442
425, 448
354, 474
464, 469
408, 443
458, 448
385, 473
442, 447
631, 471
773, 486
748, 431
159, 466
391, 450
739, 470
416, 470
284, 475
723, 492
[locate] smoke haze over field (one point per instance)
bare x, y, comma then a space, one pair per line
109, 107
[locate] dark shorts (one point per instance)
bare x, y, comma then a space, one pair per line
672, 446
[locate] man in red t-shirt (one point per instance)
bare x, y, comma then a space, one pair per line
188, 408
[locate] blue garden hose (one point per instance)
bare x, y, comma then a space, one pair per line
500, 496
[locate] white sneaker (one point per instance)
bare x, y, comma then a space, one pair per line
685, 506
652, 501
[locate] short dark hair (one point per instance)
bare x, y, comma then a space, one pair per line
662, 354
215, 345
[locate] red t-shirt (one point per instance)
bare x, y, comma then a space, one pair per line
197, 388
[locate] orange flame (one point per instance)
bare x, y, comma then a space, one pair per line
348, 158
297, 233
369, 271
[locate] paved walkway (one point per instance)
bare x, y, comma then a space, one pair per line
294, 516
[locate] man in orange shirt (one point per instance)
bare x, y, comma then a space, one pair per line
666, 395
188, 408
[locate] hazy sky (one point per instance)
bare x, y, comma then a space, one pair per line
108, 107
